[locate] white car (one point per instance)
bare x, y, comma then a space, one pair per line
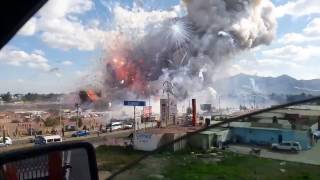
8, 141
287, 145
127, 126
117, 125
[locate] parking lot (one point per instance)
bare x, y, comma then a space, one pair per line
311, 156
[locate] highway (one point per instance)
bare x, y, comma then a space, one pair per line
93, 138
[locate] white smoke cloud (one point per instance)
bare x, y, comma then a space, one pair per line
143, 51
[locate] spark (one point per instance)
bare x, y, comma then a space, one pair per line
179, 32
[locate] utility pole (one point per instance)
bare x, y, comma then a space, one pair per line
4, 135
254, 101
60, 116
168, 110
219, 99
134, 119
77, 121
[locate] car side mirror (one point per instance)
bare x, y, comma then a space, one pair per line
61, 161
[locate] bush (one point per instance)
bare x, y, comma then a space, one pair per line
51, 121
80, 123
74, 118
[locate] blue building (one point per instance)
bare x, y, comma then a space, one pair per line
267, 136
296, 123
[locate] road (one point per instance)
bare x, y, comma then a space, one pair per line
78, 161
93, 138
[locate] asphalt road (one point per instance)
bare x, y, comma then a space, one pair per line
94, 139
78, 161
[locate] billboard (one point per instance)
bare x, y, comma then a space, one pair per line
205, 107
147, 111
134, 103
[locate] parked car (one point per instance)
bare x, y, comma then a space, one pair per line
287, 146
81, 133
127, 126
115, 126
8, 141
40, 140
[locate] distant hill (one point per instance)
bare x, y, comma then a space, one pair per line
243, 84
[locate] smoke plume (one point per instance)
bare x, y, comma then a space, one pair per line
186, 50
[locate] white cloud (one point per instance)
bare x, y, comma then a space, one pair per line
313, 28
80, 73
58, 75
59, 26
18, 57
310, 34
298, 8
67, 63
38, 51
139, 19
293, 53
129, 25
29, 28
20, 80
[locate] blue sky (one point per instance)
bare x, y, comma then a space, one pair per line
60, 45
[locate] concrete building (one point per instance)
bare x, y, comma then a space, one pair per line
288, 124
210, 138
165, 109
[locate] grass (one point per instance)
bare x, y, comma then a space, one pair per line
234, 166
111, 158
185, 165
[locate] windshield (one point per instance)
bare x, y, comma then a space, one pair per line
131, 76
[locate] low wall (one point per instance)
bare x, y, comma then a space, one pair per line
147, 141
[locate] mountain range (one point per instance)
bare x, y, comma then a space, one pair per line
243, 84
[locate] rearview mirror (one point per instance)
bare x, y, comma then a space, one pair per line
52, 162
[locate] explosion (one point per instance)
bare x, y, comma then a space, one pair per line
186, 51
88, 96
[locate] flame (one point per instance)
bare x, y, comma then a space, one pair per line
92, 95
128, 74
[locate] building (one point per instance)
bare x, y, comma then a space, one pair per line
211, 138
287, 124
165, 109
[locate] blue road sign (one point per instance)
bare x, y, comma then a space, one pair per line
134, 103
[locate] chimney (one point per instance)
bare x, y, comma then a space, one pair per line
194, 112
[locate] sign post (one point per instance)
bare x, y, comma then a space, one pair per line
134, 104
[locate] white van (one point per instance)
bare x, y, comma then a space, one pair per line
47, 139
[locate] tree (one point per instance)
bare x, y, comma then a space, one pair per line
80, 123
6, 97
75, 118
51, 121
